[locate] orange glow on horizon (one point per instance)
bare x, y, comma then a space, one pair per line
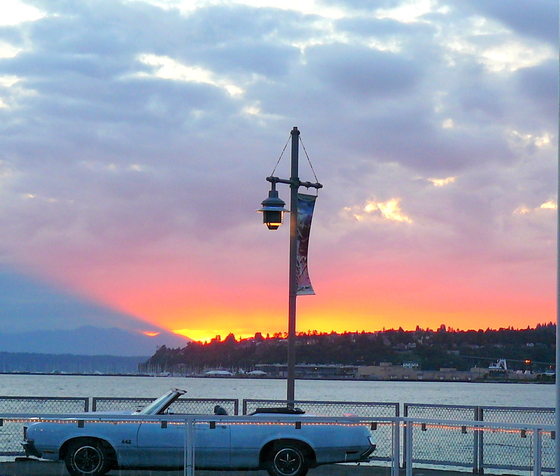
206, 336
151, 333
332, 310
354, 299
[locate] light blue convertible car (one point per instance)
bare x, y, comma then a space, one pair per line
280, 441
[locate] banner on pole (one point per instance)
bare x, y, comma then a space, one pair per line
306, 204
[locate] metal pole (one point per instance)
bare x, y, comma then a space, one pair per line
557, 413
294, 186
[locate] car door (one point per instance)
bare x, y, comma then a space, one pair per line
163, 444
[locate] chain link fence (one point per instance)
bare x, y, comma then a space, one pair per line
476, 448
383, 431
11, 431
196, 406
432, 443
493, 444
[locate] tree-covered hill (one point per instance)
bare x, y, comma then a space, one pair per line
532, 348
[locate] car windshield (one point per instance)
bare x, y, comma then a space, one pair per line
161, 404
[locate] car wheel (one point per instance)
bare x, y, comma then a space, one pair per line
287, 460
87, 458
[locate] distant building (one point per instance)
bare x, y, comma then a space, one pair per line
310, 371
411, 365
387, 371
411, 371
218, 373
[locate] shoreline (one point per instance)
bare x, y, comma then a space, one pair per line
249, 377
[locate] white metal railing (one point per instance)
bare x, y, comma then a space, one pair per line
403, 441
516, 447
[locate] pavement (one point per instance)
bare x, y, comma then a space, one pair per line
33, 467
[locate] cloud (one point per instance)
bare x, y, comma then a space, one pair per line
537, 19
362, 72
135, 138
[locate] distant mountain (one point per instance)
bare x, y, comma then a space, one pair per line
12, 362
89, 340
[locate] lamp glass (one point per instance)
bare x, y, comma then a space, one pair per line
272, 219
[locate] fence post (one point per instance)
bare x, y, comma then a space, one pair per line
396, 448
480, 443
409, 425
476, 442
537, 452
405, 453
189, 448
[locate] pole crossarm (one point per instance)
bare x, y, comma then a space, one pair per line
297, 183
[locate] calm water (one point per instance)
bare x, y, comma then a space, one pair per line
451, 393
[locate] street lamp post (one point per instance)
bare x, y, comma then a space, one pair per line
273, 209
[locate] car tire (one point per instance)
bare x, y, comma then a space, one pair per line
87, 458
287, 460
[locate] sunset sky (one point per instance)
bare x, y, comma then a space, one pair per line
136, 136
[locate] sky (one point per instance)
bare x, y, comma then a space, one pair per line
136, 137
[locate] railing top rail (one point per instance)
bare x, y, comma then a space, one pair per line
124, 399
438, 405
33, 417
11, 397
484, 407
269, 418
478, 424
320, 402
531, 409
